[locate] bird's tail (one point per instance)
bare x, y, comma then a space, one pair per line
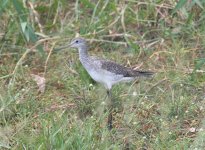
144, 74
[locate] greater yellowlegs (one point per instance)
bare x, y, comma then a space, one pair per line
104, 71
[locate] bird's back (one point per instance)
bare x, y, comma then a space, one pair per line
122, 70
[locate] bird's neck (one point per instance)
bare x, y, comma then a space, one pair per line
83, 52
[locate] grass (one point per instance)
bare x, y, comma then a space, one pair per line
166, 112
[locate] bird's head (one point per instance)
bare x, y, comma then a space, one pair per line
78, 43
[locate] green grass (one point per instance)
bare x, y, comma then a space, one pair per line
166, 112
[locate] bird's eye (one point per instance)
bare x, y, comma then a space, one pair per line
76, 41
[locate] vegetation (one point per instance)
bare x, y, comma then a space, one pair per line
165, 36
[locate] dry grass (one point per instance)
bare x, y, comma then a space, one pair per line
166, 112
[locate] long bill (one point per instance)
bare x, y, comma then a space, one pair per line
62, 47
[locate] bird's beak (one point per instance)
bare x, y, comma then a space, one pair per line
63, 47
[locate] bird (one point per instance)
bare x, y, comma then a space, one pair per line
105, 72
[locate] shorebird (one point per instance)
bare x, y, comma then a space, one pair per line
104, 71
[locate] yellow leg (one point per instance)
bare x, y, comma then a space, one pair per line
110, 109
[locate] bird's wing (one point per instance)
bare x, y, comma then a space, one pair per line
113, 67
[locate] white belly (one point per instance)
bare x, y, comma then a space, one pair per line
100, 75
107, 78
